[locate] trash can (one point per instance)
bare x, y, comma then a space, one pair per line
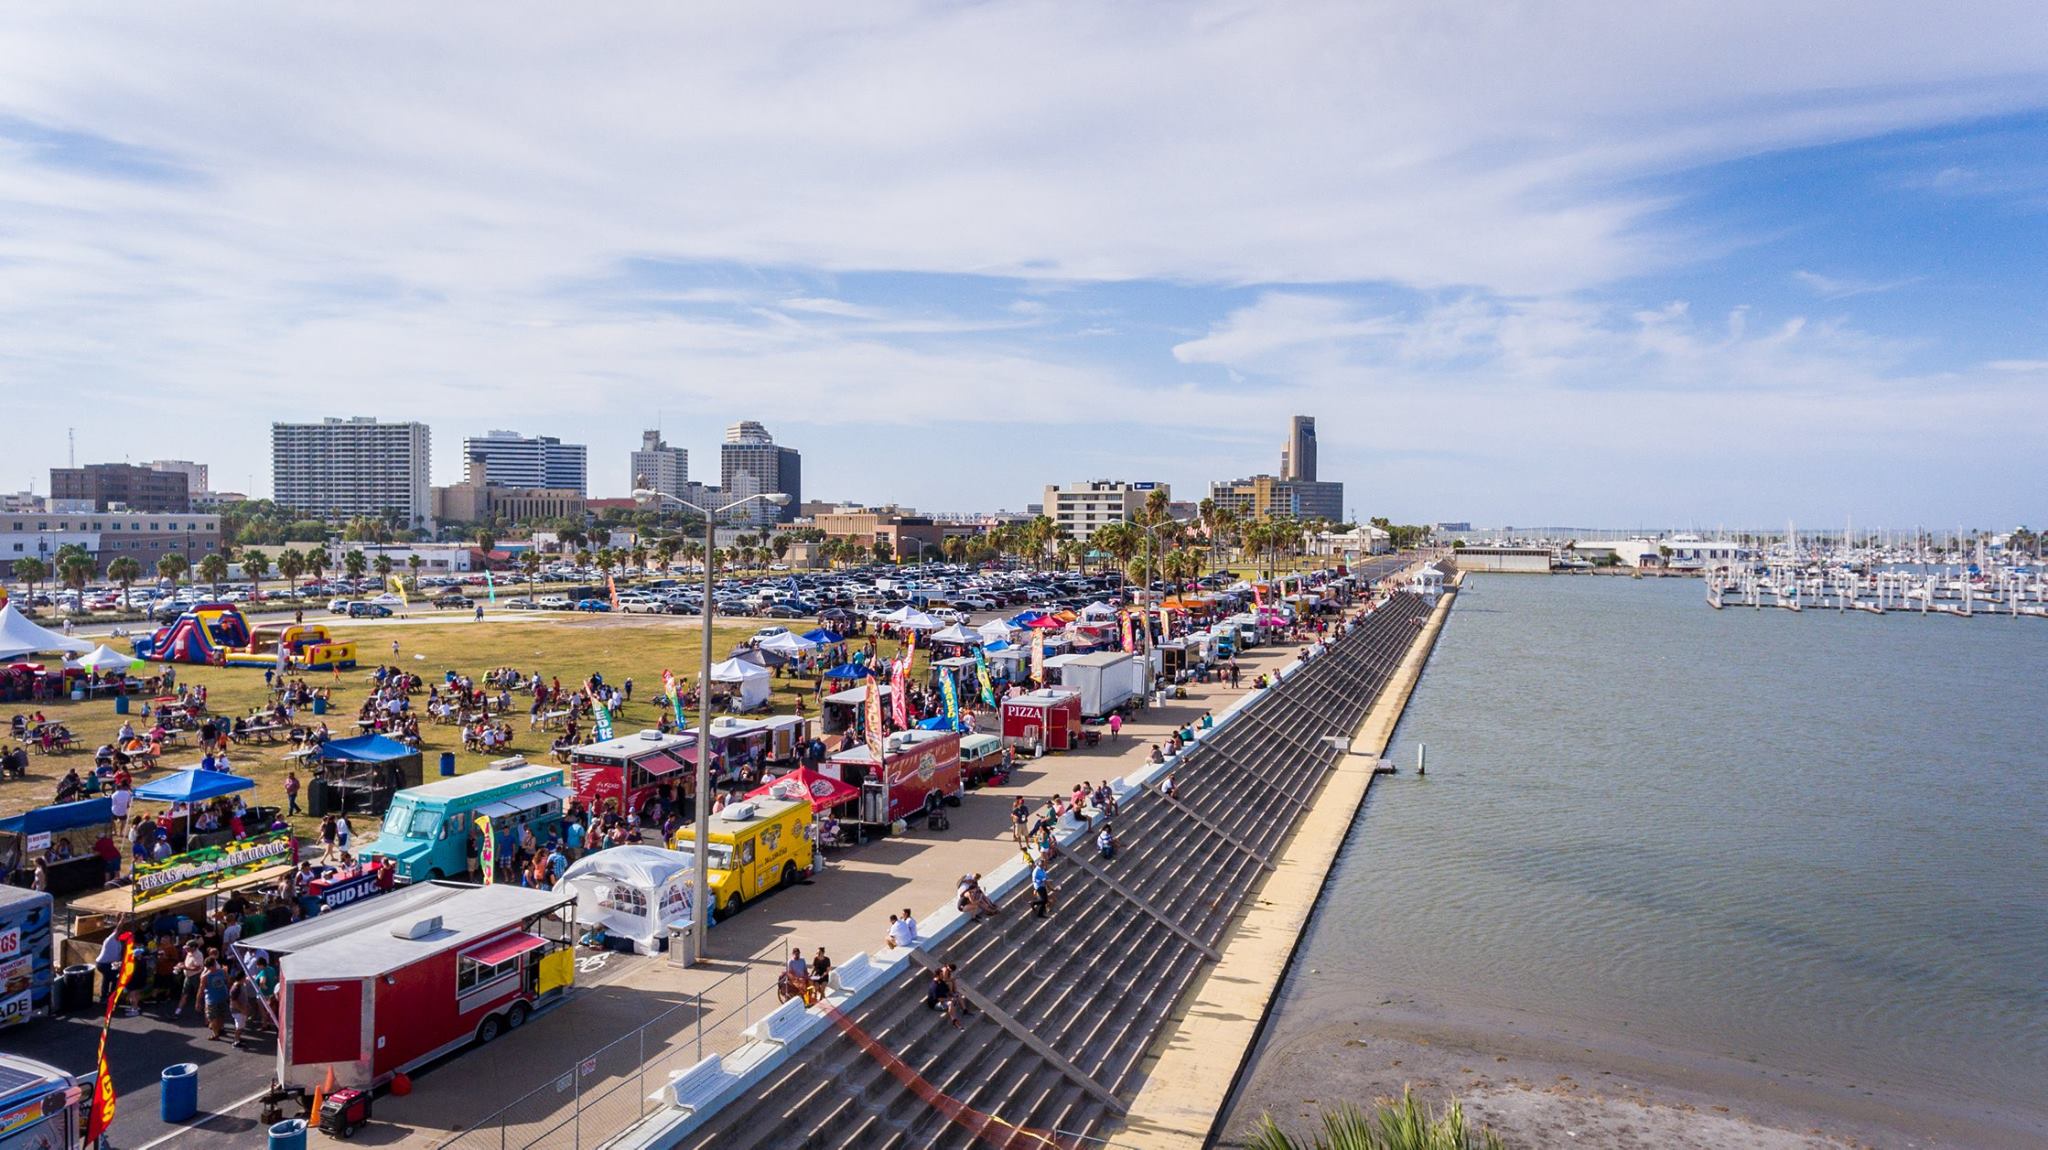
178, 1092
120, 704
78, 694
319, 705
289, 1134
77, 985
447, 763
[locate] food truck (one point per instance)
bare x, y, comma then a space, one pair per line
27, 959
757, 846
428, 829
1106, 680
981, 758
1050, 718
915, 764
42, 1107
738, 741
625, 772
372, 991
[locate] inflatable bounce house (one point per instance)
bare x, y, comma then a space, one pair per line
215, 634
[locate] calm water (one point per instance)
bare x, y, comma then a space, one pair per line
1816, 841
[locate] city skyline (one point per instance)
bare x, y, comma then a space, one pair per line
1505, 260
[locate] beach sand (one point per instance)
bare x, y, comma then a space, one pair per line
1544, 1086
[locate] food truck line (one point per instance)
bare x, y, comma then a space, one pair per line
845, 910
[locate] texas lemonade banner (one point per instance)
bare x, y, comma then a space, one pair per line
208, 865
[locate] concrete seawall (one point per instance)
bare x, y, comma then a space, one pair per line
1195, 1063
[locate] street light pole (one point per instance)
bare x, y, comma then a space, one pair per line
700, 869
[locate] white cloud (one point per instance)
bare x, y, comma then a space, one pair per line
1834, 287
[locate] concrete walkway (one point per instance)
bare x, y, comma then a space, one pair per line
1195, 1062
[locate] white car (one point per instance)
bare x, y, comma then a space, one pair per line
769, 633
338, 606
387, 599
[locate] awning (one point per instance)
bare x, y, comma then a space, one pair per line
504, 947
530, 801
667, 762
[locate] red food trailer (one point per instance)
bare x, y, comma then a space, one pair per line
627, 771
1050, 717
915, 764
371, 991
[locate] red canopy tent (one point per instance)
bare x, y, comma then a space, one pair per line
824, 791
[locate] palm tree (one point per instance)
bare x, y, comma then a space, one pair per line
413, 563
779, 545
529, 562
382, 565
214, 568
572, 538
355, 563
75, 566
664, 553
124, 571
173, 568
31, 571
291, 564
486, 543
316, 563
255, 564
1403, 1125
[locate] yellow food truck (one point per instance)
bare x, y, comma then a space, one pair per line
757, 846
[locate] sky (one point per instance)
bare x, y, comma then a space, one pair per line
1737, 263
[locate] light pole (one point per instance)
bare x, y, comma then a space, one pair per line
700, 871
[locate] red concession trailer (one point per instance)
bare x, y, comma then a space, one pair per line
625, 772
915, 764
370, 991
1051, 717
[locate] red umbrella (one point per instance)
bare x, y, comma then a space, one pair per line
824, 791
1045, 623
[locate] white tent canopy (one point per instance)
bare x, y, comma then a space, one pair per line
105, 659
20, 635
911, 619
1099, 610
632, 891
995, 631
957, 634
752, 679
788, 644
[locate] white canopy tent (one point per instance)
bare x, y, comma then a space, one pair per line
106, 660
1098, 610
20, 635
634, 892
752, 680
958, 634
995, 631
911, 619
787, 644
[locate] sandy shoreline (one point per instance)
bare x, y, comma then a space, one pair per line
1543, 1086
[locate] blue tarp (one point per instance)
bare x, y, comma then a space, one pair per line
1024, 620
62, 817
824, 637
366, 749
848, 671
192, 785
941, 723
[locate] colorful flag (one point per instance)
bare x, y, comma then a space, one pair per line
950, 692
1038, 657
988, 685
487, 855
600, 717
490, 585
872, 716
101, 1114
398, 586
613, 585
675, 696
1165, 624
899, 691
1123, 623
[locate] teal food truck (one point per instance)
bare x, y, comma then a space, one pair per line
428, 829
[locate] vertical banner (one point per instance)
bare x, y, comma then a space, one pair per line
612, 585
487, 854
601, 717
397, 586
950, 692
871, 715
988, 686
899, 691
1123, 624
101, 1115
1038, 657
1165, 623
675, 696
490, 585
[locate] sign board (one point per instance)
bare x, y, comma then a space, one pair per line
335, 895
16, 1009
37, 841
10, 943
207, 866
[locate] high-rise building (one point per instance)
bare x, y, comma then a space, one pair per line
194, 473
538, 461
97, 486
661, 467
1079, 508
1267, 497
1298, 456
341, 468
751, 463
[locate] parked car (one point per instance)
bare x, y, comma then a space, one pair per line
387, 599
451, 599
339, 606
555, 603
519, 603
367, 610
592, 605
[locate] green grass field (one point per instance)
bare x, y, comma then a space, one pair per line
619, 646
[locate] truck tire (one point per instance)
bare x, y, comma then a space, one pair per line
489, 1029
736, 905
789, 874
435, 875
516, 1017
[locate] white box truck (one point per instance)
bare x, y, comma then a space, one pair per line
1106, 680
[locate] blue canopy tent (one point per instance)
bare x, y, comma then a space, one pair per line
192, 785
849, 671
942, 723
44, 823
1026, 618
360, 775
60, 817
824, 637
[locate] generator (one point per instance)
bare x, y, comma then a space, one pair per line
344, 1112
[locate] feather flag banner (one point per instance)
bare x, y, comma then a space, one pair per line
872, 713
899, 691
988, 686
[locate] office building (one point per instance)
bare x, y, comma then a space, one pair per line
99, 486
143, 536
910, 537
194, 473
530, 461
479, 499
751, 463
342, 468
1298, 455
661, 467
1267, 496
1079, 508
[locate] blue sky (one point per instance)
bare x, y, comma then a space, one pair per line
1544, 262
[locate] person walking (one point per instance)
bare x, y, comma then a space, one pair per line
343, 832
214, 991
1105, 843
109, 962
1116, 725
328, 833
291, 792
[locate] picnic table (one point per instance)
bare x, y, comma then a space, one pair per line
303, 753
268, 732
552, 719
